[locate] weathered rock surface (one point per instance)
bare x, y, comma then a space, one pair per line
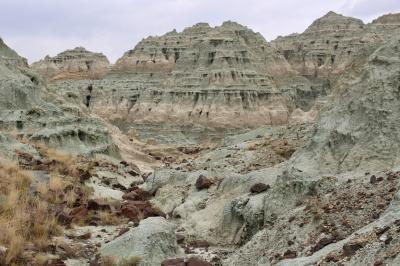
153, 241
28, 108
359, 130
219, 77
330, 46
73, 64
229, 76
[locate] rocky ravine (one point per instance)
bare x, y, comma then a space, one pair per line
314, 182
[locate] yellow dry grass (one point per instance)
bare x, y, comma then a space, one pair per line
110, 261
25, 219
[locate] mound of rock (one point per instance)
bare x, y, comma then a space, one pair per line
73, 64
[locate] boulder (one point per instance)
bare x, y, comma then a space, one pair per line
349, 249
138, 210
174, 262
259, 187
195, 261
96, 206
203, 182
153, 241
136, 194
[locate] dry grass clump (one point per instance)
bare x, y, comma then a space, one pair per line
56, 162
282, 147
109, 218
133, 261
252, 146
62, 163
110, 261
26, 220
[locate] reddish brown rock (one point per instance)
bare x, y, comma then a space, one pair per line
195, 261
138, 210
289, 254
349, 249
203, 182
131, 212
259, 187
173, 262
79, 212
123, 231
64, 219
136, 194
55, 262
84, 236
180, 238
322, 243
96, 206
153, 212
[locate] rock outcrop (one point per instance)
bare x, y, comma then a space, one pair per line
30, 110
152, 241
330, 46
360, 129
75, 64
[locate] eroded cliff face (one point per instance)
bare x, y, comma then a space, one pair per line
230, 77
333, 44
75, 64
222, 77
29, 111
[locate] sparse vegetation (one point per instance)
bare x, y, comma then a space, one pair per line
25, 219
110, 261
29, 208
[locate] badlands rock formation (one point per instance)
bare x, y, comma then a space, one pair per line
75, 64
229, 76
31, 112
315, 181
218, 77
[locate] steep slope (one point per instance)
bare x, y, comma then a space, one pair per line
360, 128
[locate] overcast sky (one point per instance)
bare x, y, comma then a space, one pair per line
35, 28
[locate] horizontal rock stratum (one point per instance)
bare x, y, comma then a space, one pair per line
73, 64
225, 76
